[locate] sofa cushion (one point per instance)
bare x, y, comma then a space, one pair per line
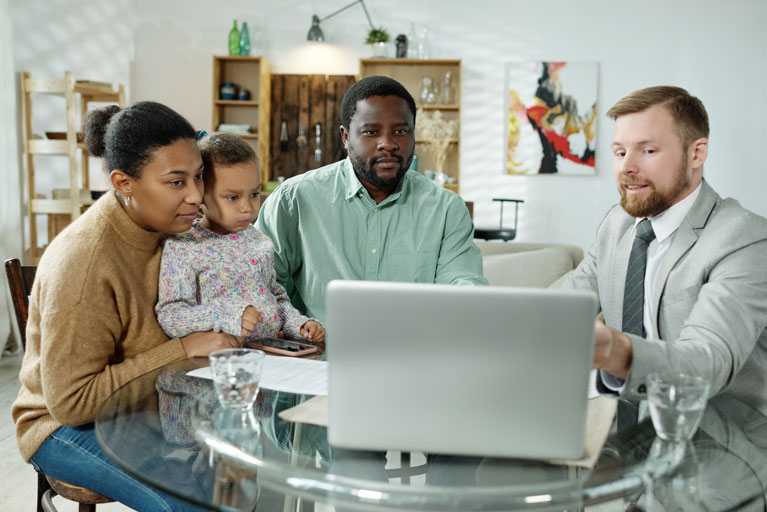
537, 268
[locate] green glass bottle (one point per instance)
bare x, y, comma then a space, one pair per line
234, 40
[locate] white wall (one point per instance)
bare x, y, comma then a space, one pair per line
92, 39
718, 50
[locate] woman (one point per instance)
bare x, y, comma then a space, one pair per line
91, 324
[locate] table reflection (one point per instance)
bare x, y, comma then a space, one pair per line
167, 429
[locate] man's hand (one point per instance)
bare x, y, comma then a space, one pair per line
203, 343
250, 317
312, 331
612, 351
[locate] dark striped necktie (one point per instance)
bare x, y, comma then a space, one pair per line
633, 292
633, 306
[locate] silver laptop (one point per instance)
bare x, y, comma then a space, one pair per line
465, 370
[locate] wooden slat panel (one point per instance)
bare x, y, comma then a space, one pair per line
264, 118
51, 86
96, 89
290, 114
103, 98
317, 85
51, 206
310, 99
276, 153
302, 160
337, 87
48, 147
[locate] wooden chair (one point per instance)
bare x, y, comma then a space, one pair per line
20, 280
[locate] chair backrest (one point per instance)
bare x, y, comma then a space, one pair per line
20, 279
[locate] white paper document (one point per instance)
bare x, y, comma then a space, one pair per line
593, 376
290, 374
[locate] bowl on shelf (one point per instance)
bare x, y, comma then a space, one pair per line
63, 135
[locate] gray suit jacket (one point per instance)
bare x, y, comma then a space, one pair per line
710, 315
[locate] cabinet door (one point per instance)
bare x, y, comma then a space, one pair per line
300, 103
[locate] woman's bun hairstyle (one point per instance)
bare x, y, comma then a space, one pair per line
95, 128
126, 138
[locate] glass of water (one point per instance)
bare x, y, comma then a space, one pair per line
676, 403
236, 374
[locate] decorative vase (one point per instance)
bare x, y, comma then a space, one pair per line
227, 91
378, 50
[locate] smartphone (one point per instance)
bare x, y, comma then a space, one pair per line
282, 347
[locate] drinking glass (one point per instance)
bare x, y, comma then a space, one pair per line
236, 374
676, 403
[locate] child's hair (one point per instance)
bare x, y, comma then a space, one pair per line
223, 149
127, 137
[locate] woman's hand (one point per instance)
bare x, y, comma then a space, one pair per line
312, 331
203, 343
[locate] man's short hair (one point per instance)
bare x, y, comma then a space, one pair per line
688, 112
372, 86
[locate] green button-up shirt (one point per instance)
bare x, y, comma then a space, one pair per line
325, 226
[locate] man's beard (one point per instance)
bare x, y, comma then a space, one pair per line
365, 169
656, 201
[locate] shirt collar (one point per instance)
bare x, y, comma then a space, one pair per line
353, 184
355, 187
668, 221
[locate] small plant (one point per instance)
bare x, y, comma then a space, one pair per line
377, 35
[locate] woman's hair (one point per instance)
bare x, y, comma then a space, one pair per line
126, 138
223, 149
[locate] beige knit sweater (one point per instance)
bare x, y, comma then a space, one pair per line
91, 323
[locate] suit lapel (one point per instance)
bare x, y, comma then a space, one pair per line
684, 238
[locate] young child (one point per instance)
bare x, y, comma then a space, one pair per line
220, 274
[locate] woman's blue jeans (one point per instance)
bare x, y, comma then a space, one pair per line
73, 454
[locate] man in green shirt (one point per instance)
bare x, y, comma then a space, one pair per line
368, 217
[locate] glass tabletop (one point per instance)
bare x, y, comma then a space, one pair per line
166, 429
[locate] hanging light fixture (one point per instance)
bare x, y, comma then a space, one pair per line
315, 32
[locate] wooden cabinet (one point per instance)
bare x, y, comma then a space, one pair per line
411, 74
68, 204
251, 74
300, 104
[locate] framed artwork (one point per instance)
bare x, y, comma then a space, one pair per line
550, 121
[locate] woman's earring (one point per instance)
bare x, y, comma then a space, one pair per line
127, 200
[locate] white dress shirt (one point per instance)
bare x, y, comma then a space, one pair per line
664, 225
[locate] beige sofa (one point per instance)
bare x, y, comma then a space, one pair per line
527, 264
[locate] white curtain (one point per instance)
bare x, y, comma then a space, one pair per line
11, 228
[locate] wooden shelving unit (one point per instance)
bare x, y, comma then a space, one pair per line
61, 210
252, 74
410, 73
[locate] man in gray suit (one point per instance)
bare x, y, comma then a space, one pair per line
704, 309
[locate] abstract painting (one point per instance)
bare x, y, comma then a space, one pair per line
551, 117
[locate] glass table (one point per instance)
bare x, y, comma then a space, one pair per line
166, 429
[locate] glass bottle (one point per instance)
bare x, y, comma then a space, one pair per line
447, 90
427, 88
412, 43
234, 40
423, 43
244, 39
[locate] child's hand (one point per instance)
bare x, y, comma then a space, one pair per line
312, 331
250, 317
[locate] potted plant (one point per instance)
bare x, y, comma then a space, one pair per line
377, 39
